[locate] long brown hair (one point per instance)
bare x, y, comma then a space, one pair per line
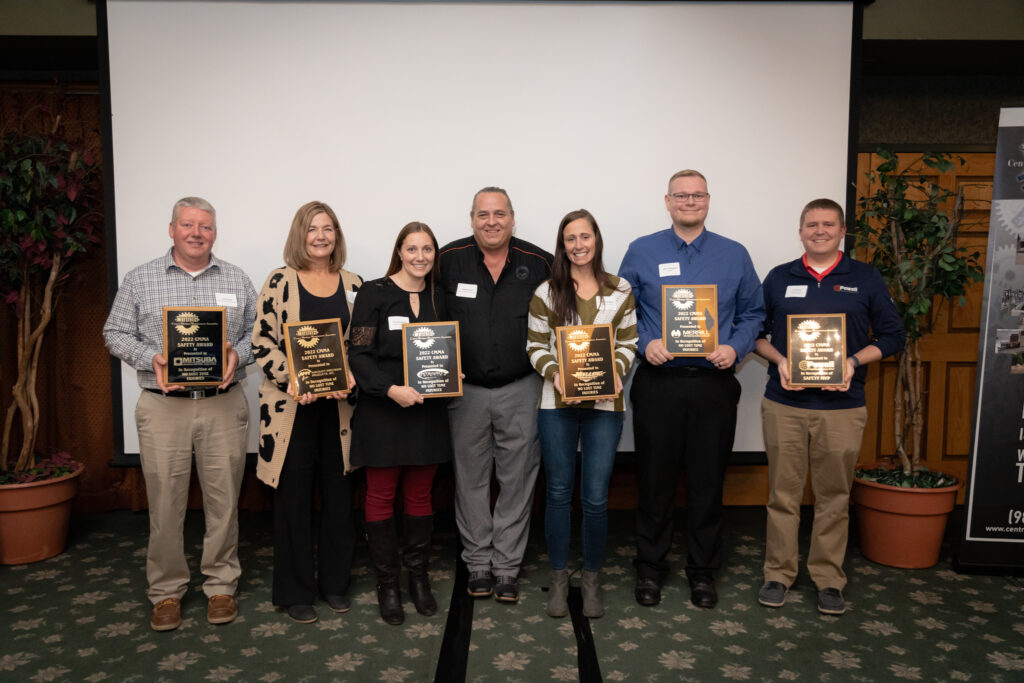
396, 261
561, 285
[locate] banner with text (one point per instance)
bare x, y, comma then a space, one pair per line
993, 537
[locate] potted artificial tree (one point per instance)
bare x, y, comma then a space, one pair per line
908, 224
50, 195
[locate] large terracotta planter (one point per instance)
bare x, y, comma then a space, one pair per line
901, 527
34, 518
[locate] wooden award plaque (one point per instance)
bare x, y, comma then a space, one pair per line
431, 359
689, 319
195, 345
316, 357
586, 362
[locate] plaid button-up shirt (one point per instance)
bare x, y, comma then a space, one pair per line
134, 329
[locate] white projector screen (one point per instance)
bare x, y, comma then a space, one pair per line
400, 111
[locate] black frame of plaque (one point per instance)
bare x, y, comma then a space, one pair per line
607, 364
291, 341
447, 325
664, 320
840, 367
170, 354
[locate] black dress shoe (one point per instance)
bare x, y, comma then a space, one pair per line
702, 591
647, 592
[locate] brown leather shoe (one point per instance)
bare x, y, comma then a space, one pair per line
221, 609
166, 615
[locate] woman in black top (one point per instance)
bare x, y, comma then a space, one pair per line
396, 434
304, 441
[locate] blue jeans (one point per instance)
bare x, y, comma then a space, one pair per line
560, 430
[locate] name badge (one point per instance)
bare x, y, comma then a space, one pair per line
395, 322
666, 269
351, 296
466, 290
226, 300
796, 291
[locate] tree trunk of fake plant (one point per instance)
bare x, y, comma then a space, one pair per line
30, 344
908, 420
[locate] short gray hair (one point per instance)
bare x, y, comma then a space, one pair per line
194, 203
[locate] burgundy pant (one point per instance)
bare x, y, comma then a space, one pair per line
381, 483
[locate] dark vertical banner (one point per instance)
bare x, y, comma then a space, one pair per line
993, 536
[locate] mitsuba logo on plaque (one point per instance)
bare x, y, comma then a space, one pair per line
431, 360
195, 345
316, 357
816, 350
586, 362
689, 319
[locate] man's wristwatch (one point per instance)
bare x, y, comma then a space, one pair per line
856, 362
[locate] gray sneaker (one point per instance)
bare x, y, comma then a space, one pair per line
830, 601
772, 594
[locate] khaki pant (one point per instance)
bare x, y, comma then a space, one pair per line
827, 442
169, 430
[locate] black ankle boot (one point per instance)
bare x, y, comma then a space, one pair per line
417, 554
383, 540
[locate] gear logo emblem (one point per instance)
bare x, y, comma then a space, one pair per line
683, 299
186, 323
808, 330
578, 340
306, 337
423, 338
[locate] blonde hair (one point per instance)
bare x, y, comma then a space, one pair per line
295, 255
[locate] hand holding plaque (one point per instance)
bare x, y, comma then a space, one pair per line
431, 360
816, 350
194, 345
586, 362
316, 357
689, 319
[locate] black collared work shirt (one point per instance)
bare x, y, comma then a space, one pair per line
492, 315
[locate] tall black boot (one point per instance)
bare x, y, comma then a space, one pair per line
417, 553
383, 539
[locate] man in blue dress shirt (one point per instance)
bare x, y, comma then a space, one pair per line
684, 408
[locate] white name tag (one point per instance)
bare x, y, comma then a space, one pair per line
466, 290
351, 296
796, 291
666, 269
395, 322
226, 300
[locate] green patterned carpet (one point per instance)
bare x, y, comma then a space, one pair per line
83, 616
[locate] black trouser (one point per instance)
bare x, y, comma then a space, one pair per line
682, 418
314, 454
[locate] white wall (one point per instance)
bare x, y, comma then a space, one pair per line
392, 112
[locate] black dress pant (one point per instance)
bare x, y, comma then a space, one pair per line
682, 418
314, 455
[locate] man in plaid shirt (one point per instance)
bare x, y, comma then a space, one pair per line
174, 423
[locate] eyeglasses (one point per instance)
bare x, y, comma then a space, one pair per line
683, 197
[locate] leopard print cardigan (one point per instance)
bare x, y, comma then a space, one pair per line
279, 303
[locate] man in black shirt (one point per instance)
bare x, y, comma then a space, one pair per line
488, 280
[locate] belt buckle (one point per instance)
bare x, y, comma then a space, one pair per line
196, 394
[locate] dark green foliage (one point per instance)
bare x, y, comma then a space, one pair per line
922, 479
912, 237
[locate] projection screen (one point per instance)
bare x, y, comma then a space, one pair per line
400, 111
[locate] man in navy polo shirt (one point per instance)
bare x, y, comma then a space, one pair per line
818, 428
684, 409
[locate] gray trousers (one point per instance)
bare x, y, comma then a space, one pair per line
495, 430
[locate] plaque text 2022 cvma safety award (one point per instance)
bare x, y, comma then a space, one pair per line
586, 362
316, 357
431, 360
689, 319
194, 345
816, 349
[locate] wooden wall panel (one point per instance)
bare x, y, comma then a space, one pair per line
950, 350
